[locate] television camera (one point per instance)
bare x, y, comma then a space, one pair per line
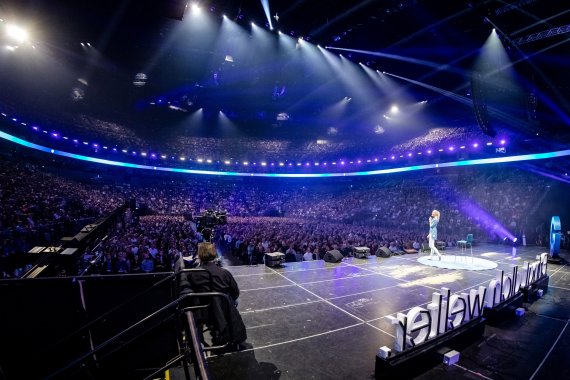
208, 220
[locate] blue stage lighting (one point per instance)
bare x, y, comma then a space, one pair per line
486, 161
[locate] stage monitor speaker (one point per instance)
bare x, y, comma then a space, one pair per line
383, 252
333, 256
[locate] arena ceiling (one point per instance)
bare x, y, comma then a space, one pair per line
136, 63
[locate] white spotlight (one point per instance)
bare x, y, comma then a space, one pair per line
16, 33
394, 109
196, 8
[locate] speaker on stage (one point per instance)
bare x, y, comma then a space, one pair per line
383, 252
333, 256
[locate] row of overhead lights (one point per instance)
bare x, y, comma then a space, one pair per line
341, 162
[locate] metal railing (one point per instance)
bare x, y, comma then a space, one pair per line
189, 348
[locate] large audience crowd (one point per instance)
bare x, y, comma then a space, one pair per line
88, 133
38, 208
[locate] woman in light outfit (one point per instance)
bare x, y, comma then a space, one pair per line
433, 221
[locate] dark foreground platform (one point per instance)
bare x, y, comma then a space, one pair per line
317, 320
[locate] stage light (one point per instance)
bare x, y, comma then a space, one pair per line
16, 33
209, 161
162, 156
489, 143
142, 153
88, 44
440, 150
281, 164
196, 8
515, 240
394, 109
10, 48
475, 145
82, 44
451, 149
264, 164
462, 147
200, 160
393, 157
503, 142
181, 158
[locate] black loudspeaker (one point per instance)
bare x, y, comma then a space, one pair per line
333, 256
383, 252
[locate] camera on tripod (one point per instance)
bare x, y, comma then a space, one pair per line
210, 219
206, 221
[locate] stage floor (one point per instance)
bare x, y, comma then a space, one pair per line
317, 320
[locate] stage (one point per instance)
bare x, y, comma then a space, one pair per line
317, 320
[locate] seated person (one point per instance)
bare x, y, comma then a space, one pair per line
222, 315
216, 278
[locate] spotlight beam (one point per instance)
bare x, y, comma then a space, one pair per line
459, 98
545, 98
538, 20
505, 117
265, 5
406, 59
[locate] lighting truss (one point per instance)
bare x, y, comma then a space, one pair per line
512, 7
542, 35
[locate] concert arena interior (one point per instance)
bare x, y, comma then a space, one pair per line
284, 189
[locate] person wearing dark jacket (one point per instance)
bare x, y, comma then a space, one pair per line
215, 279
223, 314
